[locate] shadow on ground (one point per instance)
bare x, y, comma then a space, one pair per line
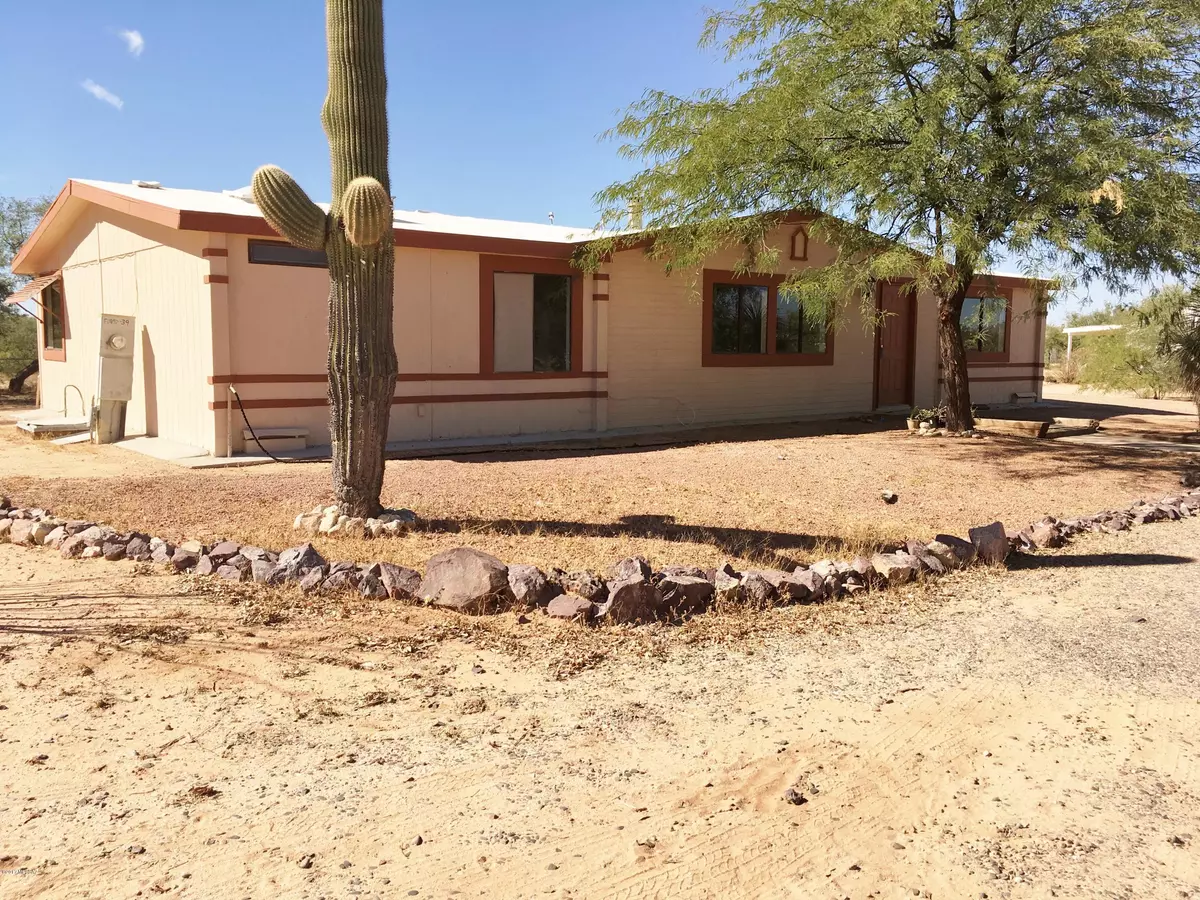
1090, 560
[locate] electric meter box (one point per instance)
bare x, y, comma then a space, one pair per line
116, 358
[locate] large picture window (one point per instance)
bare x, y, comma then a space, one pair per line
984, 325
748, 321
54, 322
531, 315
739, 318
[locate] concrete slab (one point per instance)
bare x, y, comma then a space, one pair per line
161, 448
1130, 442
52, 423
81, 438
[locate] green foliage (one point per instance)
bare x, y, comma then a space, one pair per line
1131, 359
1056, 132
18, 331
18, 217
1056, 344
1174, 314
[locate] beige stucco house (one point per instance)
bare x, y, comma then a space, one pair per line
496, 333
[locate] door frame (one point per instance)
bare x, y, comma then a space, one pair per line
877, 346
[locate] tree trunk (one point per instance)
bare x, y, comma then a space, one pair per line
16, 384
957, 388
362, 369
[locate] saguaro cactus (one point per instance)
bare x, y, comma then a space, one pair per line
356, 235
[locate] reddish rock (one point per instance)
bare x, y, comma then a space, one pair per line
468, 581
571, 606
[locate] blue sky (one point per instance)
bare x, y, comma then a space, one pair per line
495, 107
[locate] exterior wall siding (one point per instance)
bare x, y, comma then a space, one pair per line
122, 265
654, 355
277, 327
266, 329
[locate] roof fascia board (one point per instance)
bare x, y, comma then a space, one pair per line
140, 209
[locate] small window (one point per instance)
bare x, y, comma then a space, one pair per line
276, 253
739, 318
984, 322
53, 317
800, 243
798, 329
531, 322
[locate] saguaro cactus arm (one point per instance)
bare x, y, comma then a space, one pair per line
366, 211
288, 209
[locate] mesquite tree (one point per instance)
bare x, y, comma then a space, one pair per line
356, 235
1061, 134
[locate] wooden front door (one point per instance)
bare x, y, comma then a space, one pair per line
894, 347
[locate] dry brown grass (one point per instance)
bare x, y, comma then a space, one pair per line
769, 499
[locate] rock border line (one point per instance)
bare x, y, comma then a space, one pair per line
469, 581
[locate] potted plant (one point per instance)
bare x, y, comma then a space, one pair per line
920, 416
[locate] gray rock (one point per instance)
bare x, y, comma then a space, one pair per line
991, 542
466, 580
138, 549
94, 552
571, 606
261, 569
756, 591
813, 583
162, 554
529, 585
21, 531
341, 580
206, 565
296, 559
862, 566
310, 579
221, 553
5, 528
727, 582
372, 586
93, 535
927, 561
1046, 536
238, 561
954, 552
687, 571
74, 526
788, 589
253, 553
183, 560
586, 585
894, 568
400, 582
631, 600
686, 594
632, 567
55, 538
231, 573
114, 550
195, 548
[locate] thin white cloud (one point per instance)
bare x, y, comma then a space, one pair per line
102, 93
133, 40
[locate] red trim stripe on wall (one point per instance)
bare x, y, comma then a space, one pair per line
408, 401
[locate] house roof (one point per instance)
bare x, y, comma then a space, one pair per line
233, 212
227, 212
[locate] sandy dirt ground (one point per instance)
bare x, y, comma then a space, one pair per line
759, 495
1027, 734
